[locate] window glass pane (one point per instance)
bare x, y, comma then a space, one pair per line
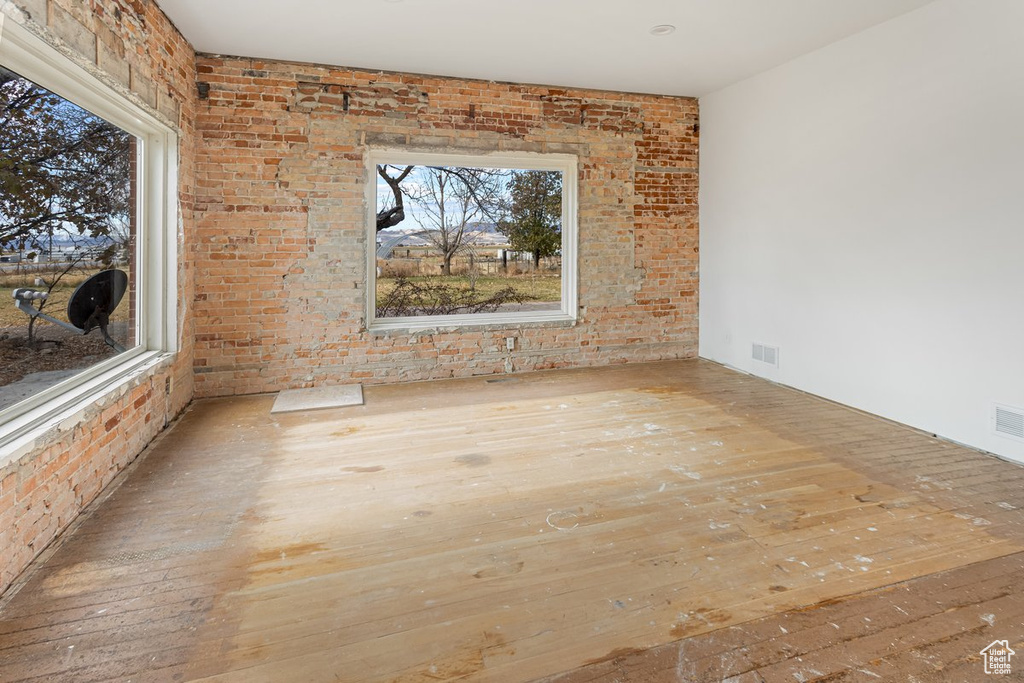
67, 224
455, 240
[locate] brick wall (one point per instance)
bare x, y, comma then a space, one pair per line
44, 485
272, 272
281, 236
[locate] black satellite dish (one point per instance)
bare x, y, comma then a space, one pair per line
97, 298
90, 305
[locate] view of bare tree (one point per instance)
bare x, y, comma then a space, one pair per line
450, 200
460, 222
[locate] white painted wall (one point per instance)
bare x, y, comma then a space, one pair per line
862, 208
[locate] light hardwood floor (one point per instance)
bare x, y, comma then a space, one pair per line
667, 521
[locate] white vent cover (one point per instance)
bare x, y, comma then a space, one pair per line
766, 354
1010, 422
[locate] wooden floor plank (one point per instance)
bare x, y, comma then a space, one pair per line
667, 521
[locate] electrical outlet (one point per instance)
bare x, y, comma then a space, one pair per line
510, 343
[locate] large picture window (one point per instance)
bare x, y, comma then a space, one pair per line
86, 254
464, 240
68, 213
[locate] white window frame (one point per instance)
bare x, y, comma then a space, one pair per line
566, 163
156, 236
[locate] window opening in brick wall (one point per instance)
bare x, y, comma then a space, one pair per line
68, 211
87, 205
463, 239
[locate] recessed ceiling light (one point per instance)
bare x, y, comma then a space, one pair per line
662, 29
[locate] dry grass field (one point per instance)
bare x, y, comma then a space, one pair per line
57, 303
532, 287
483, 274
55, 348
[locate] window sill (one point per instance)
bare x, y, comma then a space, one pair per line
471, 321
20, 434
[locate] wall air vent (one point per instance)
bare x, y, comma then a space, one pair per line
766, 354
1010, 422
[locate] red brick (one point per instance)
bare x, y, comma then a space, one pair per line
637, 206
53, 483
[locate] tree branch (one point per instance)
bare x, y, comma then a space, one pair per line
392, 216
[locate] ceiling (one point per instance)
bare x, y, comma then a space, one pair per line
603, 44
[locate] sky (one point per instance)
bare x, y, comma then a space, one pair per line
415, 216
